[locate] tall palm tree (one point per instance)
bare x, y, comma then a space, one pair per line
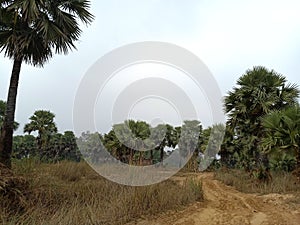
43, 122
31, 32
259, 92
133, 135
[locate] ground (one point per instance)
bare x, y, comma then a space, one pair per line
225, 205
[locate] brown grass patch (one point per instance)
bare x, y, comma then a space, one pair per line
72, 193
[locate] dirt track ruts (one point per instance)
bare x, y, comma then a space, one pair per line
225, 205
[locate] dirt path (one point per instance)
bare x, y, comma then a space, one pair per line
225, 205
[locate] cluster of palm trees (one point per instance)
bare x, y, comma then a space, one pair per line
48, 145
137, 143
263, 121
262, 132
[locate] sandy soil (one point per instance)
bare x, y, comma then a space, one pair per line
225, 205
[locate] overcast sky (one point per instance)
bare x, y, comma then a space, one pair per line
228, 36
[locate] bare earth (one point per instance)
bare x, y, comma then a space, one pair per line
225, 205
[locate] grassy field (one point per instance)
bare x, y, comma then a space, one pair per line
281, 182
72, 193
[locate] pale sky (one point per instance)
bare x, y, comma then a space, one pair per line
228, 36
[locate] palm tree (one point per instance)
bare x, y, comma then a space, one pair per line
31, 32
160, 140
114, 146
91, 147
70, 148
141, 131
43, 122
164, 135
189, 141
133, 135
259, 92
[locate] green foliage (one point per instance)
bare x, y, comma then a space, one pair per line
283, 162
258, 93
62, 147
283, 133
24, 146
126, 139
43, 122
48, 146
189, 137
34, 30
164, 135
136, 142
91, 147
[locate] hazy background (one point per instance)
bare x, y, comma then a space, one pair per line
229, 36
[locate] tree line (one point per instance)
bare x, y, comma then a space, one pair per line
124, 141
262, 132
48, 145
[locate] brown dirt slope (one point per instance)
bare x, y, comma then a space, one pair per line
225, 205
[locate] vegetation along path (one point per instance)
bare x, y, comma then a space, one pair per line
225, 205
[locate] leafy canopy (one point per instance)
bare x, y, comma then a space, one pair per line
32, 30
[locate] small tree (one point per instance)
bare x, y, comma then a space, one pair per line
43, 122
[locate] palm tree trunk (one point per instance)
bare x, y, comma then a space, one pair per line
6, 136
131, 157
151, 156
140, 158
161, 156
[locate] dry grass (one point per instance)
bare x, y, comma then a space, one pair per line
72, 193
282, 182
